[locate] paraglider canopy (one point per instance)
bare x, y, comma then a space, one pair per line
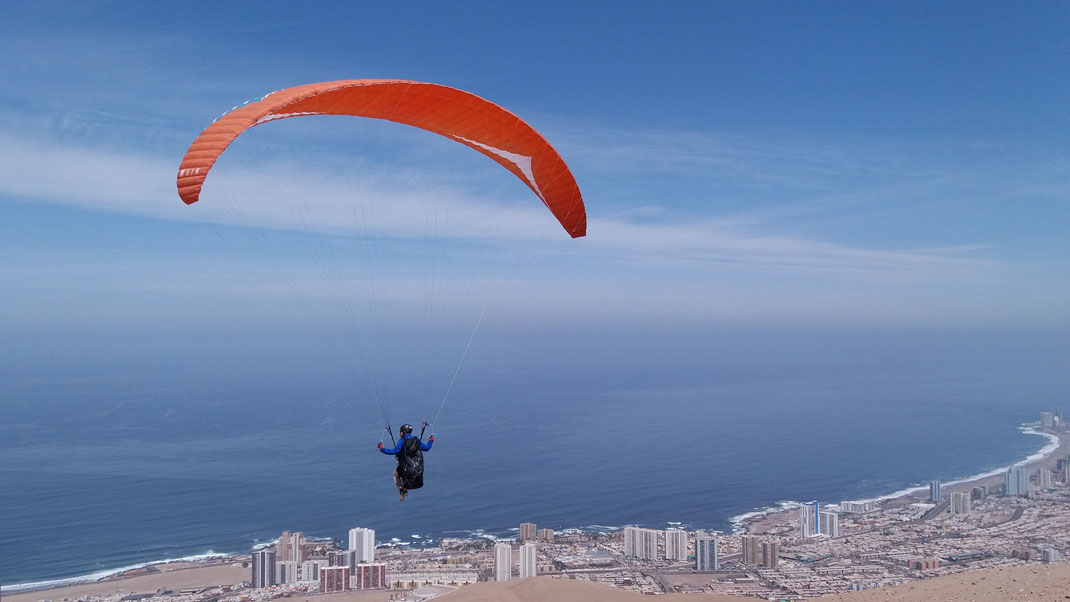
388, 300
455, 114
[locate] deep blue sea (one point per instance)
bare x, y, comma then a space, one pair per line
113, 454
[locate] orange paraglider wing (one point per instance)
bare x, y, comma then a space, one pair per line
453, 113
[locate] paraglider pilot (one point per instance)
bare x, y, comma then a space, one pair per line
410, 454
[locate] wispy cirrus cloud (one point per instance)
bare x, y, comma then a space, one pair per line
401, 198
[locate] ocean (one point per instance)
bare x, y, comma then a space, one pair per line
109, 463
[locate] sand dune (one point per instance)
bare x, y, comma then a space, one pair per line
1033, 583
560, 590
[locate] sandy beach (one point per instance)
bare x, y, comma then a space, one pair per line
778, 519
1036, 583
173, 576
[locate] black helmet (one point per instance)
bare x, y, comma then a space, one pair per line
406, 429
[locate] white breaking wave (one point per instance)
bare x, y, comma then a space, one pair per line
1047, 450
15, 588
1026, 429
738, 520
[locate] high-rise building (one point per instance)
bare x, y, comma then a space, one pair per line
291, 547
960, 502
706, 553
1043, 479
979, 493
640, 543
310, 569
675, 544
362, 541
503, 562
769, 554
856, 507
1049, 555
751, 550
264, 568
527, 532
809, 520
1016, 482
368, 576
286, 572
528, 556
1047, 419
830, 524
1066, 474
338, 558
334, 579
546, 535
352, 560
934, 491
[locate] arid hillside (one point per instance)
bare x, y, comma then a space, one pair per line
1033, 583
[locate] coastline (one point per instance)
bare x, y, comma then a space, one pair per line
763, 521
175, 575
756, 522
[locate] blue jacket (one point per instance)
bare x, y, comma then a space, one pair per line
401, 444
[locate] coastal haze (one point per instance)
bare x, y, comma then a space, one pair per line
826, 260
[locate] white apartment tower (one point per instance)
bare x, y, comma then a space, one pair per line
934, 491
640, 543
830, 524
856, 507
809, 520
1043, 479
310, 570
286, 572
1016, 482
675, 544
960, 503
503, 562
706, 553
263, 568
362, 541
528, 555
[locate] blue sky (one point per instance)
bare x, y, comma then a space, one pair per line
840, 165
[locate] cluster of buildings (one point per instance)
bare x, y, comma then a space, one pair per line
1054, 421
815, 523
675, 546
1018, 481
527, 554
294, 560
817, 551
503, 561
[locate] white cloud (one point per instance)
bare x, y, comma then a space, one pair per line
401, 198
